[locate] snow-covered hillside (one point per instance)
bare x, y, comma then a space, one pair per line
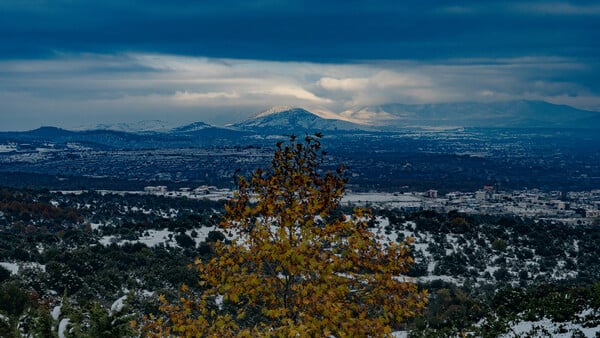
296, 119
144, 126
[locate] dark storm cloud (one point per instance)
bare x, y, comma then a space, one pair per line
300, 30
72, 62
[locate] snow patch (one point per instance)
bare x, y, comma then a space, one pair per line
219, 301
62, 327
55, 313
7, 148
543, 327
118, 305
14, 268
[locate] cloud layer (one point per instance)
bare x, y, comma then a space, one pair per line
72, 62
307, 30
72, 90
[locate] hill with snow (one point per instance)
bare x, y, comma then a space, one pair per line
294, 119
145, 126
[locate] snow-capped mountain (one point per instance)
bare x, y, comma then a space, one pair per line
389, 117
271, 111
295, 119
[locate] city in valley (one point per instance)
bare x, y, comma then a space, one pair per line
106, 219
551, 174
574, 208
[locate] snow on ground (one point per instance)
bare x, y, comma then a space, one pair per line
147, 293
152, 238
213, 195
7, 148
14, 267
26, 157
431, 278
202, 233
96, 226
118, 305
548, 328
492, 269
62, 327
77, 146
219, 301
55, 312
46, 150
380, 232
108, 240
453, 241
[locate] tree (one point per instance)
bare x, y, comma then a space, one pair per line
291, 269
4, 274
499, 245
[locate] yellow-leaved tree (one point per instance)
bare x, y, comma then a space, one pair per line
296, 266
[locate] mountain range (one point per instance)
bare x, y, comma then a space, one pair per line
389, 117
290, 120
504, 114
295, 119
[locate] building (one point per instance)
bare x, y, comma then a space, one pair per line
481, 195
158, 188
431, 193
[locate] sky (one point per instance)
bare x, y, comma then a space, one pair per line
73, 63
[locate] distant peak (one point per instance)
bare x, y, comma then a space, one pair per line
143, 126
48, 128
195, 126
277, 110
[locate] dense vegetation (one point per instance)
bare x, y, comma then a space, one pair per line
296, 265
82, 252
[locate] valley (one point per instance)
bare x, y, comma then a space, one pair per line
95, 224
412, 160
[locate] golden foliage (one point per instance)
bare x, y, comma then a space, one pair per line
293, 268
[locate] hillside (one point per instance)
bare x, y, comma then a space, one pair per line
295, 120
504, 114
484, 273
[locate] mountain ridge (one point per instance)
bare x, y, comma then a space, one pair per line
143, 126
294, 119
498, 114
376, 118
